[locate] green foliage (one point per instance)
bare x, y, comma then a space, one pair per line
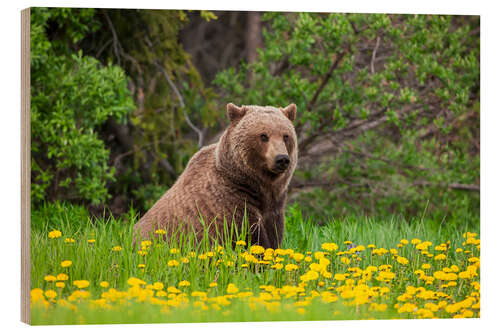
71, 96
388, 118
388, 108
97, 262
145, 43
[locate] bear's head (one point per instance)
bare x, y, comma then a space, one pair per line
262, 140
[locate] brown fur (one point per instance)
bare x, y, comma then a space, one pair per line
237, 174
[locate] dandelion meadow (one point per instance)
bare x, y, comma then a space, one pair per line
357, 268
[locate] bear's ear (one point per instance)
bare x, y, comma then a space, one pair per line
235, 113
290, 111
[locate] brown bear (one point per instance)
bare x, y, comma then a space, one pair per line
246, 173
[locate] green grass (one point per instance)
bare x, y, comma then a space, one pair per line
97, 262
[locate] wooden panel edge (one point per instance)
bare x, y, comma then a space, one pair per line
25, 166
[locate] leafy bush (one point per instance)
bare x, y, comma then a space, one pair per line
71, 96
388, 108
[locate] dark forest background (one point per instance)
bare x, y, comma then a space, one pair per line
388, 105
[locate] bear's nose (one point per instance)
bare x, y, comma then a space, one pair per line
282, 162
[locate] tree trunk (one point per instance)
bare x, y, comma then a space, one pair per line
253, 40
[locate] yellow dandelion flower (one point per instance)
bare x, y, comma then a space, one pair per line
104, 284
309, 276
160, 231
60, 284
318, 255
371, 246
142, 253
241, 243
256, 249
329, 247
277, 266
402, 260
277, 252
184, 260
426, 266
50, 278
80, 284
174, 251
441, 256
158, 286
145, 244
423, 245
116, 248
91, 241
62, 277
345, 260
212, 284
324, 262
298, 257
231, 289
173, 263
133, 281
66, 263
50, 294
458, 250
291, 267
69, 240
385, 275
316, 267
55, 234
141, 266
404, 241
360, 248
184, 283
339, 277
173, 290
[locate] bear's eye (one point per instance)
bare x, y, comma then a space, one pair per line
264, 137
285, 137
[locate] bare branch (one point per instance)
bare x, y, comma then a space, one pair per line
164, 164
452, 186
178, 94
124, 137
353, 129
181, 102
330, 184
388, 161
374, 55
116, 41
335, 63
103, 47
